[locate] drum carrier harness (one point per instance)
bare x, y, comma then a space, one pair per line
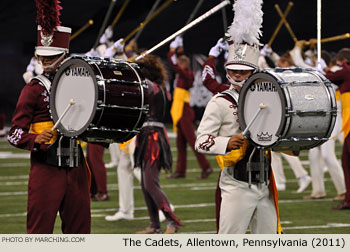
254, 166
64, 152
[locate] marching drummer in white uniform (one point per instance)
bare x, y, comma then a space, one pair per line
243, 203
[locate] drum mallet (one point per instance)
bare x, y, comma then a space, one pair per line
71, 103
261, 106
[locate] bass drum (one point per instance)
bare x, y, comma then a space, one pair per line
300, 110
110, 99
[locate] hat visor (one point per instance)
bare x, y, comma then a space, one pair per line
239, 67
40, 51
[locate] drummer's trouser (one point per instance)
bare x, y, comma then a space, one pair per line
242, 206
346, 166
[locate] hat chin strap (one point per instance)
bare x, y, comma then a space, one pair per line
232, 81
51, 66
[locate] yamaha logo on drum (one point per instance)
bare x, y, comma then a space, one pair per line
263, 87
264, 137
77, 71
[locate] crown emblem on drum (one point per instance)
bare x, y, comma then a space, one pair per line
264, 137
46, 40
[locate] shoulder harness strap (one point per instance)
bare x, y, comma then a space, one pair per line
45, 81
231, 93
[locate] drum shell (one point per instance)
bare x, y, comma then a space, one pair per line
308, 108
120, 102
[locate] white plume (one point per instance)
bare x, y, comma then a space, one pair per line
246, 22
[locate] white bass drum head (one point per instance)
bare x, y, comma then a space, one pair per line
74, 80
262, 88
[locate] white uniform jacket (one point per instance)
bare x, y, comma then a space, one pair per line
218, 124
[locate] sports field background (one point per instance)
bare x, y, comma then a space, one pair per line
193, 200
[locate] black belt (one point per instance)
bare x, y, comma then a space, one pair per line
64, 152
241, 173
253, 167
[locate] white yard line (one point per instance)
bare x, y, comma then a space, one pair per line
303, 201
96, 215
329, 225
13, 215
13, 177
13, 183
12, 193
7, 165
95, 212
203, 188
8, 154
114, 187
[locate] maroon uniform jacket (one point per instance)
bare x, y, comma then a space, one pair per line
186, 132
341, 78
32, 107
209, 77
50, 188
184, 77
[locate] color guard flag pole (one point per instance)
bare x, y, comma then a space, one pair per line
185, 28
319, 34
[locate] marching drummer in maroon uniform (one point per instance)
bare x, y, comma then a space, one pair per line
182, 113
153, 149
52, 187
341, 78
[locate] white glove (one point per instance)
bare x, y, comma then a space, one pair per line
92, 53
109, 52
177, 42
221, 46
224, 46
38, 68
118, 46
31, 65
266, 50
320, 65
108, 34
180, 41
226, 55
27, 76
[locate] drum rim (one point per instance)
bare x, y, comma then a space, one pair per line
331, 96
270, 77
68, 62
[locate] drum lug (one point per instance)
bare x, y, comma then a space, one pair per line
145, 108
318, 112
99, 140
101, 83
100, 105
291, 69
298, 139
284, 84
334, 111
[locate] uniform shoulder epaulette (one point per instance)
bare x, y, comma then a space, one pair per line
45, 81
232, 94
